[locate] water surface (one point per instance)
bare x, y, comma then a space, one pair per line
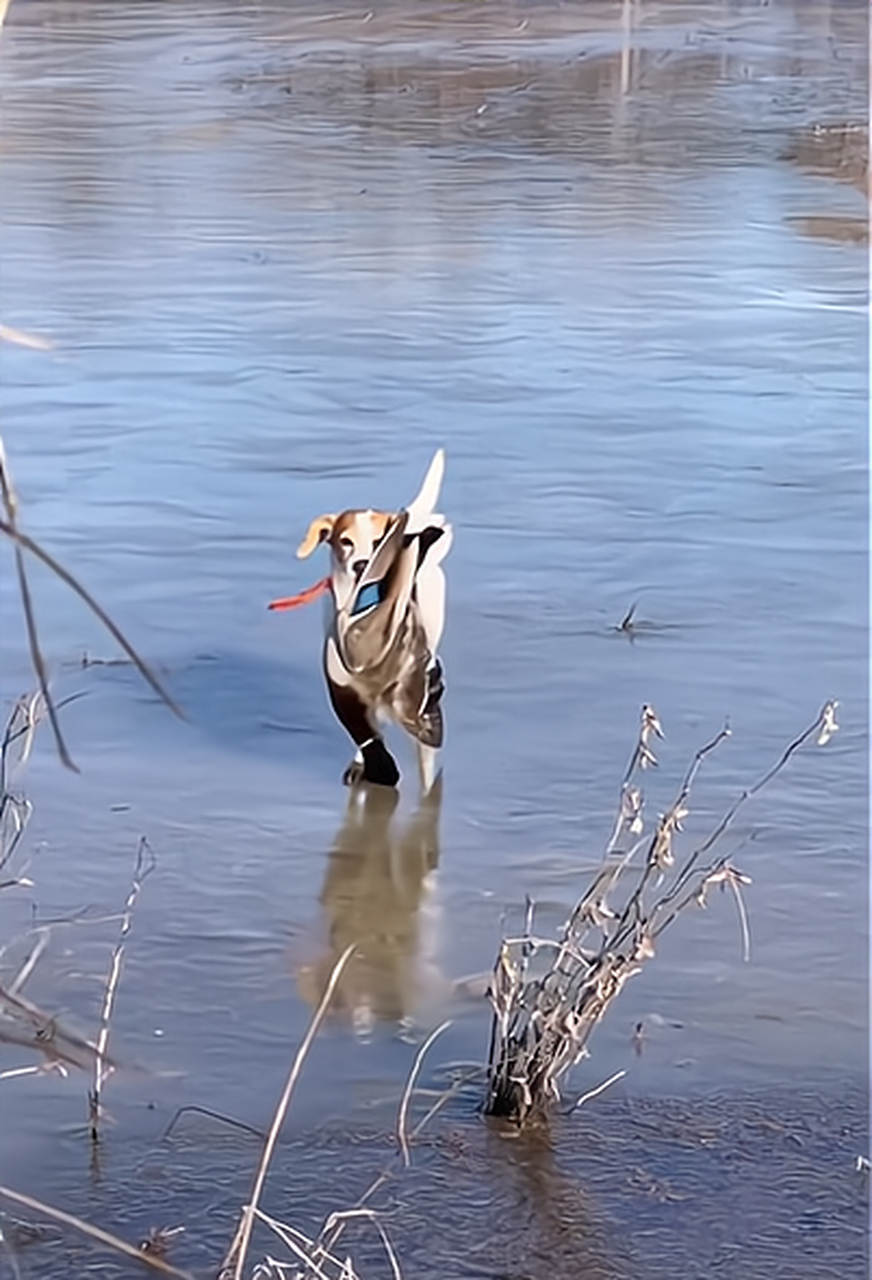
610, 257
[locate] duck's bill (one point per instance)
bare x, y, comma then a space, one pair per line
303, 597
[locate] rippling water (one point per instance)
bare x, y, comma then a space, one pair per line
612, 257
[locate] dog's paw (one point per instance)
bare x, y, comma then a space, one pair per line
378, 765
353, 774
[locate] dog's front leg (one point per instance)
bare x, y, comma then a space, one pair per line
373, 762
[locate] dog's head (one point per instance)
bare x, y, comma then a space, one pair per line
353, 538
383, 557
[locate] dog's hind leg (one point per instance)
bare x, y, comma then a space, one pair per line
372, 762
430, 589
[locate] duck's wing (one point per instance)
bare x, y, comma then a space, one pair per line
369, 624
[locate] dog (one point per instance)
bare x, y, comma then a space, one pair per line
387, 589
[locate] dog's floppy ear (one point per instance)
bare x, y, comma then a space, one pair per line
320, 528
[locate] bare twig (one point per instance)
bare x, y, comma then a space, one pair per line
10, 505
234, 1261
37, 1069
600, 1088
145, 864
39, 552
41, 1031
410, 1085
15, 809
310, 1252
213, 1115
30, 963
329, 1237
96, 1233
371, 1216
319, 1255
9, 527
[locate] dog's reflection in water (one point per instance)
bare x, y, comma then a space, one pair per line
379, 895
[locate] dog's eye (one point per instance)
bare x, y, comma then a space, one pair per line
346, 544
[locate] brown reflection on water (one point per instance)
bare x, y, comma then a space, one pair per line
839, 151
835, 227
558, 1230
624, 80
377, 893
516, 76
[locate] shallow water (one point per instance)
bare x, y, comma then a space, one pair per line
613, 260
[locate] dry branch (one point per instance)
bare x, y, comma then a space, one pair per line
144, 866
9, 527
96, 1233
234, 1262
542, 1020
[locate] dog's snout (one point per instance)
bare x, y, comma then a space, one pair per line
358, 566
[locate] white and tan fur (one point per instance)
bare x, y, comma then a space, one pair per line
388, 611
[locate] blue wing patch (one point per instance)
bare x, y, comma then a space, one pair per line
367, 598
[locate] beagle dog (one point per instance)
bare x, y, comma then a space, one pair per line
388, 609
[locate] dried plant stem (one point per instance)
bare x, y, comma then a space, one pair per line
15, 810
45, 1034
9, 527
38, 1069
30, 962
371, 1216
96, 1233
823, 717
238, 1250
144, 866
542, 1023
331, 1234
10, 506
402, 1137
39, 553
319, 1255
213, 1115
600, 1088
305, 1249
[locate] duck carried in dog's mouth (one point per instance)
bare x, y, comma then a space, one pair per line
387, 592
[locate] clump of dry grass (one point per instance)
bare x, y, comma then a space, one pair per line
23, 1023
543, 1017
